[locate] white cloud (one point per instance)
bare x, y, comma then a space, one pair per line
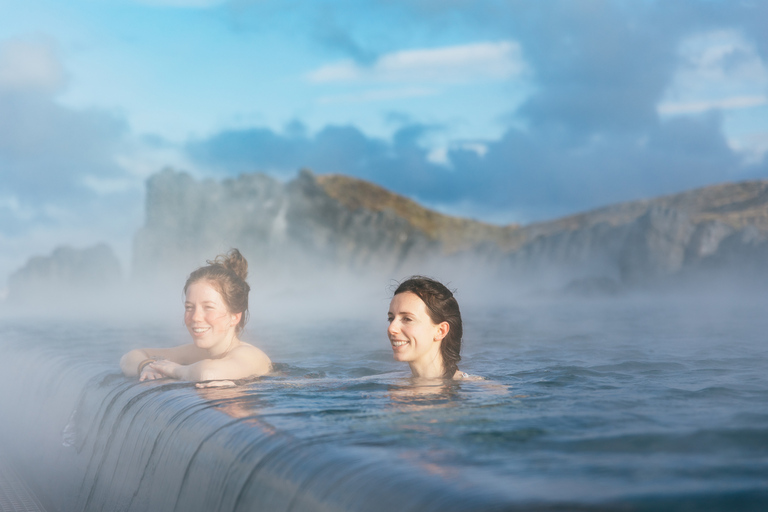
30, 64
693, 107
480, 148
440, 155
721, 70
464, 63
717, 70
752, 147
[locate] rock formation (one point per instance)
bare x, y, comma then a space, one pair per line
719, 230
321, 223
308, 225
68, 274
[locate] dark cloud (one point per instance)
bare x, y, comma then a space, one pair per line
339, 149
334, 27
238, 151
549, 176
332, 36
596, 68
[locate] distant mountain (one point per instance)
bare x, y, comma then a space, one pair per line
67, 276
322, 223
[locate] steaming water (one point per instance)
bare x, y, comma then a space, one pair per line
587, 405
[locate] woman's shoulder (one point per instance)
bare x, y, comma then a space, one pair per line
246, 349
253, 356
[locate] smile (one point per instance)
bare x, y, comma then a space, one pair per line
399, 343
199, 330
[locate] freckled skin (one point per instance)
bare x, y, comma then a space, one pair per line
208, 321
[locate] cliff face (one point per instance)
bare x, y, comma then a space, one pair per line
719, 229
320, 223
294, 227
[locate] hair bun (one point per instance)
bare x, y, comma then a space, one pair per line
233, 261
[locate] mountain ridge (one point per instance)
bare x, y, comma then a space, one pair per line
737, 204
335, 221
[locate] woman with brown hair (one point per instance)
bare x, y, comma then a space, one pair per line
425, 328
215, 312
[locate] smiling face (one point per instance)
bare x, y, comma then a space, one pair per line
415, 338
207, 318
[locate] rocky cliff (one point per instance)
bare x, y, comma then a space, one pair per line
713, 232
319, 223
301, 227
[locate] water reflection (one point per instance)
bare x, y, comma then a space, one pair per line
423, 393
433, 392
236, 402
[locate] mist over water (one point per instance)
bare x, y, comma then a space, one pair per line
653, 402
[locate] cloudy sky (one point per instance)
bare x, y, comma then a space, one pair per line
506, 111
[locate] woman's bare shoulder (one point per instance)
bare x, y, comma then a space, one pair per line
254, 357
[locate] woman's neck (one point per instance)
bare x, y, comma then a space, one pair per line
429, 369
222, 350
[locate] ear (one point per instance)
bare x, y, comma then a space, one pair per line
442, 331
236, 318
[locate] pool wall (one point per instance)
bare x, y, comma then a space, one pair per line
89, 439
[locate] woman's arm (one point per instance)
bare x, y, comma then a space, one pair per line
183, 354
130, 362
243, 362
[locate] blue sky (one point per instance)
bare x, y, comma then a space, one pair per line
506, 111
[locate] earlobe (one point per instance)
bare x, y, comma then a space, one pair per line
236, 319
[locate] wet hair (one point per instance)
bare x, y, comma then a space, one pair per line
441, 307
227, 274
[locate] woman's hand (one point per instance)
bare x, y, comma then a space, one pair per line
216, 384
149, 373
161, 369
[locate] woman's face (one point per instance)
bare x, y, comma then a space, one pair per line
207, 318
415, 338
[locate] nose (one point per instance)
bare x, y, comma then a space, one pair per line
393, 328
197, 314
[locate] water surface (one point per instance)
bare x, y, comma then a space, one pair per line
587, 404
